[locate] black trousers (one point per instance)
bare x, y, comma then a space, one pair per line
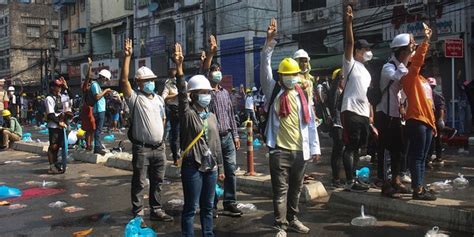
391, 140
355, 136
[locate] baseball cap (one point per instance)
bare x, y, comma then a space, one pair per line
362, 43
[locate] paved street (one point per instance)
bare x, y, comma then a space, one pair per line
107, 206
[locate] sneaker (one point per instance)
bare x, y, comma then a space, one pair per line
298, 227
280, 232
405, 179
215, 213
357, 187
100, 152
160, 215
232, 210
424, 195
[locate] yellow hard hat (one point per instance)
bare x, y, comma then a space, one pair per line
23, 94
80, 132
334, 73
121, 94
288, 66
6, 112
248, 90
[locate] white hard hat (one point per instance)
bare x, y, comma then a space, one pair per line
301, 53
144, 73
400, 40
254, 88
11, 88
199, 82
105, 73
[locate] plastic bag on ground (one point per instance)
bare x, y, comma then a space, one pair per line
219, 191
9, 192
246, 207
175, 204
363, 220
460, 182
441, 186
134, 229
72, 138
109, 138
57, 204
17, 206
363, 174
435, 233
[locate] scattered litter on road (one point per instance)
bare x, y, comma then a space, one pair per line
246, 207
363, 220
82, 233
134, 228
435, 233
363, 174
4, 203
15, 162
83, 184
16, 206
57, 204
72, 209
49, 184
78, 195
44, 175
85, 175
460, 182
46, 217
441, 186
32, 157
9, 192
175, 204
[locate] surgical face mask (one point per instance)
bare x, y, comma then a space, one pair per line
290, 81
216, 76
204, 100
149, 87
367, 56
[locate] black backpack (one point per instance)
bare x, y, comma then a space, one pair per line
89, 97
374, 94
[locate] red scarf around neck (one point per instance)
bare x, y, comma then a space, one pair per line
285, 108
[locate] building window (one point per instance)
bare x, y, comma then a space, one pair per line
65, 40
3, 31
190, 36
143, 39
64, 13
72, 9
303, 5
119, 41
128, 4
33, 31
32, 20
82, 3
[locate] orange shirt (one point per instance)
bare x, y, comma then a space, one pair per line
418, 91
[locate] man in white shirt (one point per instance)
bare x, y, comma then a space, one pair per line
170, 94
388, 119
356, 111
250, 107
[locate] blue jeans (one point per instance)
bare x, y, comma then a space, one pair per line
99, 123
174, 134
198, 188
230, 181
419, 138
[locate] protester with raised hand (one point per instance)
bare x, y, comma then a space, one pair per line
221, 106
147, 127
420, 119
202, 153
291, 135
87, 112
388, 119
356, 111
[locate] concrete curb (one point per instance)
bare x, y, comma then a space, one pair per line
445, 213
36, 148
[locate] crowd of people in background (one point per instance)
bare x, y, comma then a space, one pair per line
399, 119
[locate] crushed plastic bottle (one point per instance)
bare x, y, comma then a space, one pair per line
363, 174
460, 182
363, 220
246, 207
49, 184
57, 204
435, 233
441, 186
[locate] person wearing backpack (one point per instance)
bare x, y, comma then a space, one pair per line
87, 112
388, 120
99, 107
291, 134
356, 112
146, 134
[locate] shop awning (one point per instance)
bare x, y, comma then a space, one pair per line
334, 61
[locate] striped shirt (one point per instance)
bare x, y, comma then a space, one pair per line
221, 106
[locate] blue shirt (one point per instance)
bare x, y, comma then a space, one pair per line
99, 106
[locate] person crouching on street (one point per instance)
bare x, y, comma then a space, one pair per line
202, 154
11, 131
146, 134
291, 135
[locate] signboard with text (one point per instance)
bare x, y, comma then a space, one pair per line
454, 48
110, 64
